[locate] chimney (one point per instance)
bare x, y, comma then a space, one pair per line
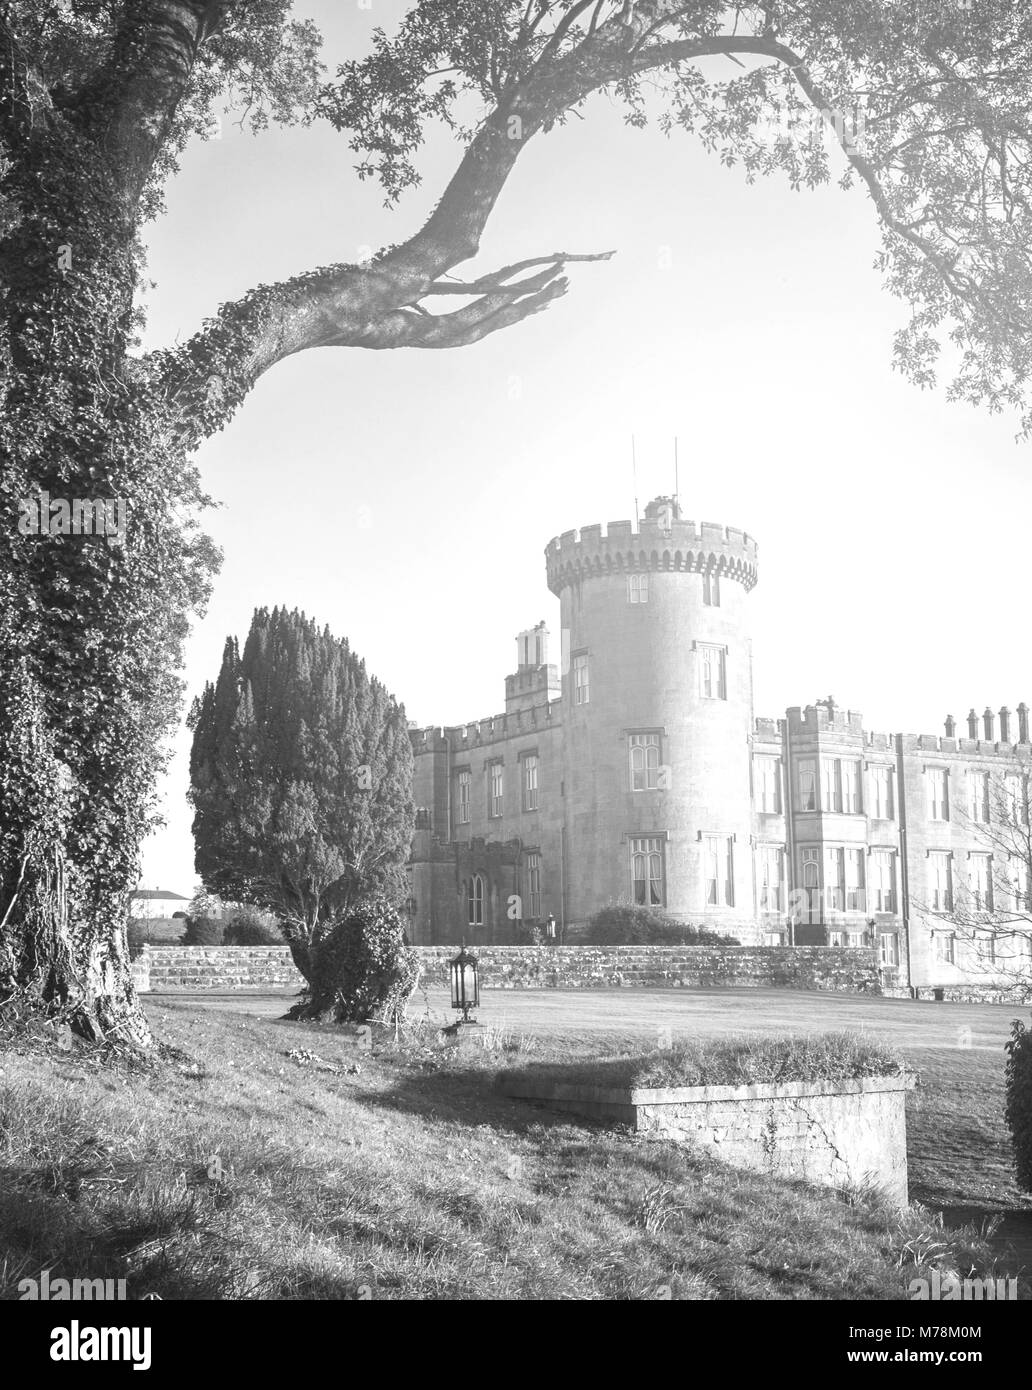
1023, 722
532, 647
989, 720
1005, 728
972, 724
951, 726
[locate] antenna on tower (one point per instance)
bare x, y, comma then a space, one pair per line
677, 489
634, 472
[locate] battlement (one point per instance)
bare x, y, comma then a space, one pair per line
963, 747
482, 732
824, 717
768, 729
663, 541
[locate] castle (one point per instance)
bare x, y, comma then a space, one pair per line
634, 771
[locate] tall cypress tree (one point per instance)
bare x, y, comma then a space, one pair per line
301, 781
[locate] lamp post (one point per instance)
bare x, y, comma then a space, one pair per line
465, 984
550, 928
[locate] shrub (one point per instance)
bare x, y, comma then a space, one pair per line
1019, 1101
360, 966
528, 933
247, 926
623, 925
203, 931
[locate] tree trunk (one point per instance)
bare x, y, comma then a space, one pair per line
91, 625
52, 969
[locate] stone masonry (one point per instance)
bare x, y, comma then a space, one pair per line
226, 968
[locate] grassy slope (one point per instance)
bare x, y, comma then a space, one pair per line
409, 1178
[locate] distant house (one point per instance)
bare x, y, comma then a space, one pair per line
151, 903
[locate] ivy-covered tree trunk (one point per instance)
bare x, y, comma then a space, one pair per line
93, 623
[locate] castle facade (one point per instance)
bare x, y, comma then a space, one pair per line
634, 771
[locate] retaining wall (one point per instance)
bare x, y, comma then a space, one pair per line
832, 1133
845, 969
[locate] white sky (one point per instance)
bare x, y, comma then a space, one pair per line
406, 497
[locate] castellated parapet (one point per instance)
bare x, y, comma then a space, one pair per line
663, 541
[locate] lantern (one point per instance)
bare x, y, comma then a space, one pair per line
550, 927
465, 983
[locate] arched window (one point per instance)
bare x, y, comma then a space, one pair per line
475, 915
638, 588
644, 761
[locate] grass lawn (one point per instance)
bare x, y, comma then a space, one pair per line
401, 1174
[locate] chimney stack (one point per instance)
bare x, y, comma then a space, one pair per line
972, 724
1023, 722
989, 719
1005, 728
951, 726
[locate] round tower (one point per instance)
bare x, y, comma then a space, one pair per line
657, 714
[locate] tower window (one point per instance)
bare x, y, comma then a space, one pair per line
980, 797
770, 869
768, 785
854, 867
534, 886
711, 589
638, 588
530, 781
883, 884
834, 878
980, 883
1018, 874
840, 785
1016, 799
581, 688
889, 949
712, 673
645, 762
475, 901
464, 782
881, 807
647, 877
945, 946
938, 793
496, 788
807, 774
940, 881
718, 870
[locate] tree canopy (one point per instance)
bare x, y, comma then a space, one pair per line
301, 776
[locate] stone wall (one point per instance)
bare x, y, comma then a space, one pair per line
846, 969
834, 1133
975, 994
854, 970
186, 969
